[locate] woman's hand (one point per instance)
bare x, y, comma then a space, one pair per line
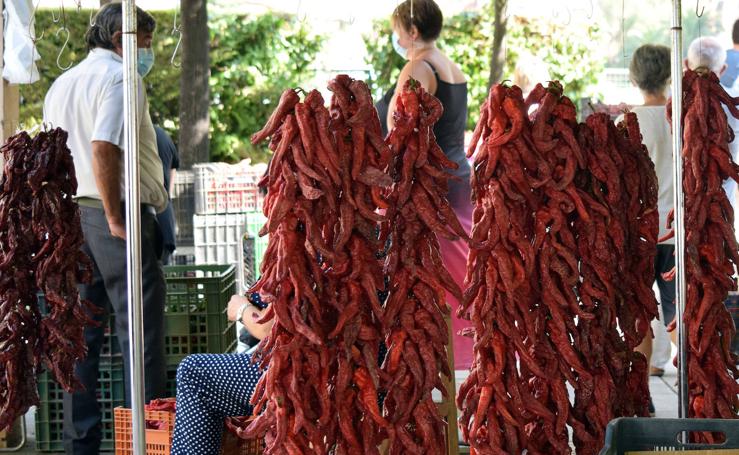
251, 315
251, 311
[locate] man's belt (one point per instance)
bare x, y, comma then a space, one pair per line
98, 204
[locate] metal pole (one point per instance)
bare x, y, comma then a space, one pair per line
679, 204
133, 226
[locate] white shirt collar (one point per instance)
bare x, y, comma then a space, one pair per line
105, 53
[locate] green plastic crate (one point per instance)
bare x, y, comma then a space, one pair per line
195, 310
171, 383
254, 222
50, 413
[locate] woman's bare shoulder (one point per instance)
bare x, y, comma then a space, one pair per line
448, 70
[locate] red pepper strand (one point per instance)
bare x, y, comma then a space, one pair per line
417, 335
321, 277
41, 237
711, 250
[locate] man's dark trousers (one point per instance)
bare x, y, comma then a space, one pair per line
108, 291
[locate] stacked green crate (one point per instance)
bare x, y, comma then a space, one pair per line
110, 393
196, 322
195, 310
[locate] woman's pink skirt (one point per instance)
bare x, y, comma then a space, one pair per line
454, 255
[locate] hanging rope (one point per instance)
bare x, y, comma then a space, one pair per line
504, 42
413, 42
700, 32
623, 31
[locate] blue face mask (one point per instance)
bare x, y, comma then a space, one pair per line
146, 60
403, 52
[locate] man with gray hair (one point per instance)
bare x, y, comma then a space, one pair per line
87, 102
708, 53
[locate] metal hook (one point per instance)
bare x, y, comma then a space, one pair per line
555, 14
61, 51
297, 14
176, 30
56, 19
174, 54
697, 4
592, 10
175, 27
31, 33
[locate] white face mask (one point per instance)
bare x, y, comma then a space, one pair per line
403, 52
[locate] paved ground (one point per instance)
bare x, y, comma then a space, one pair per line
664, 394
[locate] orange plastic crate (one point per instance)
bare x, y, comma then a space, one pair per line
158, 442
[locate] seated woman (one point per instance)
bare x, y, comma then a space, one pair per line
211, 387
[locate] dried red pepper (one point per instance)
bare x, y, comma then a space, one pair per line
711, 252
554, 225
321, 276
40, 240
417, 335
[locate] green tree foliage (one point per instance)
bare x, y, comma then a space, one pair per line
252, 60
467, 38
567, 52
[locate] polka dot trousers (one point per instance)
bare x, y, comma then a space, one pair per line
210, 387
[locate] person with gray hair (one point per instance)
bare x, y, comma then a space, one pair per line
707, 53
649, 71
87, 102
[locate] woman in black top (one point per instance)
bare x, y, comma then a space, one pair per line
415, 39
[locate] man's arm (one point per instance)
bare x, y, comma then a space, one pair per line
106, 165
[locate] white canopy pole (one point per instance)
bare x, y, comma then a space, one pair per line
133, 226
679, 204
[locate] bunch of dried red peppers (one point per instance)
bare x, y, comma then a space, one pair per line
40, 240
